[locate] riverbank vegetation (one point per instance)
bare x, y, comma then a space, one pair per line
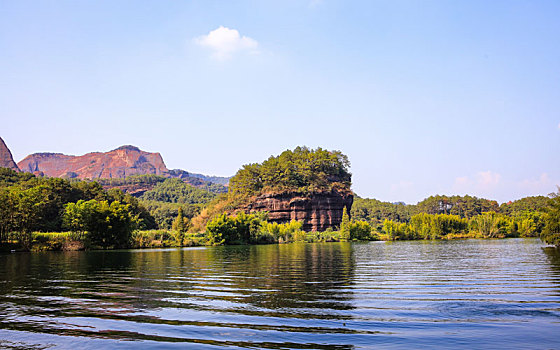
39, 213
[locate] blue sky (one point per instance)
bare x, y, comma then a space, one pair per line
425, 97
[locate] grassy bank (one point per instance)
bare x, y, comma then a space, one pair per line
71, 241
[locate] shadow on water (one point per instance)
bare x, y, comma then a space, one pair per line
242, 296
553, 255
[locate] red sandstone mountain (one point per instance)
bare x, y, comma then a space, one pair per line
6, 159
118, 163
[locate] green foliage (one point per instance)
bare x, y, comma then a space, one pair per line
146, 179
464, 206
29, 203
105, 224
375, 212
145, 219
282, 233
176, 191
486, 224
165, 213
232, 229
345, 225
395, 230
440, 217
524, 205
426, 226
359, 231
180, 225
301, 170
551, 231
254, 229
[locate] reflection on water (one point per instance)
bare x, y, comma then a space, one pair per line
461, 294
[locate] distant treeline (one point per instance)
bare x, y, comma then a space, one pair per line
149, 180
437, 217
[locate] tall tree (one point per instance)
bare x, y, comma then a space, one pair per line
551, 231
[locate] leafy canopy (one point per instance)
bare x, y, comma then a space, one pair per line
302, 170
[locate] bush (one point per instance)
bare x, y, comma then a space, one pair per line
105, 225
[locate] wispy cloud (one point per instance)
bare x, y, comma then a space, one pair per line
488, 178
482, 179
491, 185
225, 42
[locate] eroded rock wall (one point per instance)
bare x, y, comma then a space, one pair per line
318, 211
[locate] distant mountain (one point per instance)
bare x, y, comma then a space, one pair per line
6, 159
116, 164
182, 174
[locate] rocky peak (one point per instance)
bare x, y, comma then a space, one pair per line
118, 163
6, 159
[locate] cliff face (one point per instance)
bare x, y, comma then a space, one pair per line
6, 159
118, 163
317, 211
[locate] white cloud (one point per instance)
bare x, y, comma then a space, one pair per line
225, 42
558, 125
488, 178
543, 183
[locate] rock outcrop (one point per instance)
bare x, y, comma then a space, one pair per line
119, 163
6, 159
317, 211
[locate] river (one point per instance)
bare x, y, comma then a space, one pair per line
464, 294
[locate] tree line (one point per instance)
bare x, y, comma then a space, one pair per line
37, 204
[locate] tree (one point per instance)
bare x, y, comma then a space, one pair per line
221, 230
345, 226
105, 225
487, 224
359, 230
551, 231
180, 225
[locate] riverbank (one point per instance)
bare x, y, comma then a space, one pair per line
72, 241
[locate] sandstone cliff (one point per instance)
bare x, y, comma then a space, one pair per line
317, 211
118, 163
6, 159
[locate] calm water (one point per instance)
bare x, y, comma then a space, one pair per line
500, 294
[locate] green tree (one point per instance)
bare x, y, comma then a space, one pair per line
105, 225
180, 225
551, 231
359, 230
345, 226
487, 224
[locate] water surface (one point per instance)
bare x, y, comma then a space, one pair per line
498, 294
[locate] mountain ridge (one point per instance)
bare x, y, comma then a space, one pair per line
119, 163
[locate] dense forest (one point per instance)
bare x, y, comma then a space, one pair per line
35, 204
302, 170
